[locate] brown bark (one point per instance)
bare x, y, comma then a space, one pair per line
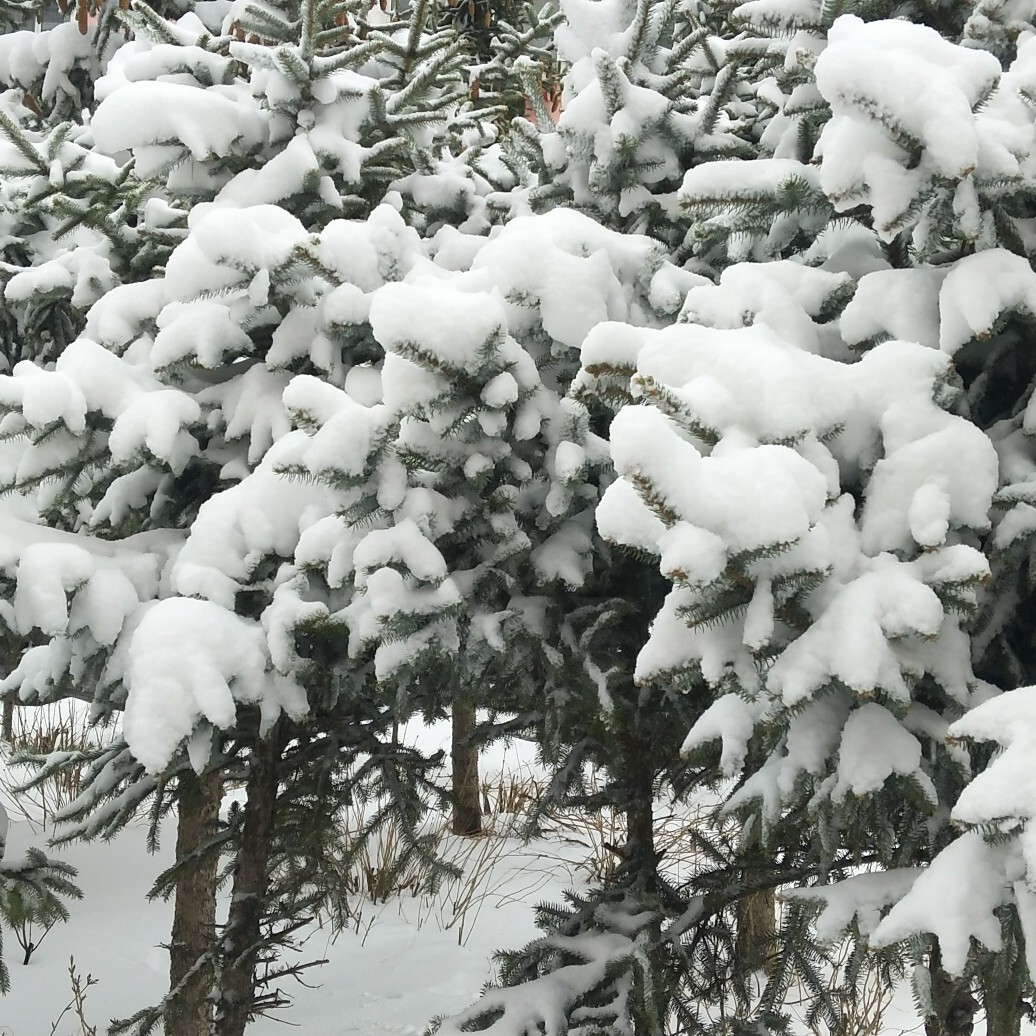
236, 1003
756, 929
189, 1011
467, 809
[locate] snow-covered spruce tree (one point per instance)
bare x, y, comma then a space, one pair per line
979, 309
645, 97
817, 520
487, 444
75, 221
466, 523
143, 430
503, 40
320, 112
32, 888
76, 224
79, 222
922, 212
55, 69
213, 159
646, 950
953, 217
74, 227
850, 142
982, 941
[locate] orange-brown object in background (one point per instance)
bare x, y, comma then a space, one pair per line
552, 102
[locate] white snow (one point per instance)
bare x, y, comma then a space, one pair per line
863, 897
874, 746
954, 899
206, 122
172, 690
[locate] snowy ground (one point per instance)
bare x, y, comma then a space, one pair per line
391, 978
403, 963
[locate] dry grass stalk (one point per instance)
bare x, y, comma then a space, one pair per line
43, 730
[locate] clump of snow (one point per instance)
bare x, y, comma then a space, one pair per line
902, 100
874, 746
149, 116
955, 900
980, 290
863, 898
732, 720
172, 690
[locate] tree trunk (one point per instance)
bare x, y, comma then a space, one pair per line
638, 767
639, 859
756, 929
640, 814
756, 912
953, 1004
189, 1011
1002, 998
7, 730
467, 809
241, 939
1003, 1010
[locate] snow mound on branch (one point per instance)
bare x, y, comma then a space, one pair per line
901, 304
208, 123
145, 414
710, 492
903, 103
863, 897
875, 746
235, 529
1007, 787
978, 291
192, 661
567, 272
955, 900
455, 327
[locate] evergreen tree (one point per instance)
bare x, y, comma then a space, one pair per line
302, 128
753, 624
54, 68
808, 450
510, 46
73, 230
32, 888
848, 165
151, 463
812, 516
459, 545
987, 947
320, 112
642, 103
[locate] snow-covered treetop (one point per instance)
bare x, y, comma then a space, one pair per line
319, 110
926, 141
641, 104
